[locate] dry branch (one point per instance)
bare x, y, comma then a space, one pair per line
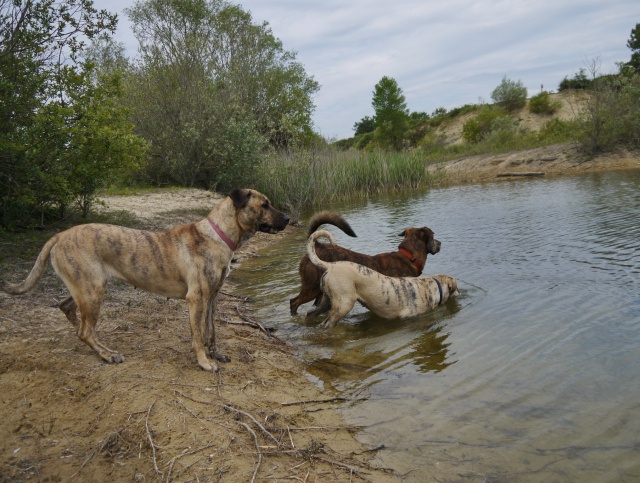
153, 447
255, 440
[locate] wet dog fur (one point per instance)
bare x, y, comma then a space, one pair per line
345, 283
188, 262
417, 242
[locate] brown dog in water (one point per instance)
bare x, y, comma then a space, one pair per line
408, 261
188, 262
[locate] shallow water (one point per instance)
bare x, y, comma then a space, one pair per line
532, 374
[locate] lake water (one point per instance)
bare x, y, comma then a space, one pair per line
532, 374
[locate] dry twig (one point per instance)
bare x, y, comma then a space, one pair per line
255, 440
262, 428
153, 447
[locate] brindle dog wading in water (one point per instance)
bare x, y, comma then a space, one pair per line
188, 262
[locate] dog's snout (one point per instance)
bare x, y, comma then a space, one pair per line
435, 247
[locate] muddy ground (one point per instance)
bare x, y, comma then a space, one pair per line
67, 416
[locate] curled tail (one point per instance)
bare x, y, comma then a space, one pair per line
35, 274
311, 247
332, 218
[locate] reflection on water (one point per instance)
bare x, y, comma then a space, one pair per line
532, 374
383, 345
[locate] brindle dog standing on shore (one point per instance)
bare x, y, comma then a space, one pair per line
408, 261
188, 262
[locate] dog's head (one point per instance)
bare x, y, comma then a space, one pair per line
255, 213
422, 235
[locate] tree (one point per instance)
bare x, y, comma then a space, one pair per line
211, 88
365, 125
52, 109
634, 44
391, 113
510, 94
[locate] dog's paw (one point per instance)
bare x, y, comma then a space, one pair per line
208, 365
114, 358
221, 357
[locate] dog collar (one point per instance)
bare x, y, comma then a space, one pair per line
224, 237
439, 289
412, 258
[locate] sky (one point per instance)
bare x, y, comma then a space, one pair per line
441, 53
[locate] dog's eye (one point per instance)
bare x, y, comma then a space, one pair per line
265, 205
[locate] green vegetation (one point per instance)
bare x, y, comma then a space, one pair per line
612, 114
318, 177
391, 118
634, 44
543, 104
63, 133
510, 95
211, 91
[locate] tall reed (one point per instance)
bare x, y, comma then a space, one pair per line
315, 178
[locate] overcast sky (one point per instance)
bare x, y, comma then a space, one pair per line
441, 53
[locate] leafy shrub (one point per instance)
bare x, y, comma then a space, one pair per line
510, 94
611, 115
579, 81
556, 130
478, 127
543, 104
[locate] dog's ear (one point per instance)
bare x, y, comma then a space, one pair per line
240, 198
403, 233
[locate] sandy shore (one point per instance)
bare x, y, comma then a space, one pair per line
554, 160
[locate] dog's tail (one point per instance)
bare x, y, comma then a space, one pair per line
311, 247
332, 218
35, 274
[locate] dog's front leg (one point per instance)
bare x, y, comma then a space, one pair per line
199, 306
211, 333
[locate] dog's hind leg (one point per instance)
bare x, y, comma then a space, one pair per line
69, 307
307, 294
89, 305
341, 305
322, 306
86, 283
335, 315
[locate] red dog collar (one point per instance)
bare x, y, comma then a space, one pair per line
224, 237
412, 258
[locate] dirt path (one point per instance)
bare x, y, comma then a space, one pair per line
67, 416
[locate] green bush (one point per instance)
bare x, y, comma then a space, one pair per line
556, 130
543, 104
579, 81
478, 127
510, 95
612, 114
